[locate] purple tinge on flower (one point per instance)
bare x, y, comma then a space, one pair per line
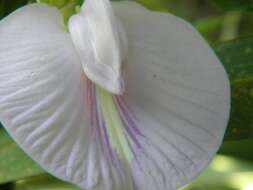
61, 106
112, 121
114, 129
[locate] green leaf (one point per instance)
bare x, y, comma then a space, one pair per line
56, 3
209, 26
224, 173
238, 149
67, 8
2, 8
7, 6
237, 57
43, 182
234, 4
14, 163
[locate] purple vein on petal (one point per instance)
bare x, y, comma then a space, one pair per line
99, 127
127, 121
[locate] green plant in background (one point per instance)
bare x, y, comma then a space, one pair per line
66, 7
234, 4
237, 57
6, 7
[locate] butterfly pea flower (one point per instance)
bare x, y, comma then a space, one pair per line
124, 99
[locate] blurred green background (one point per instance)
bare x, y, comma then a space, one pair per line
228, 26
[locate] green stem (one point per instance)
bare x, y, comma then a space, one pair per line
231, 25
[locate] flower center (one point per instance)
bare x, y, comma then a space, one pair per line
101, 44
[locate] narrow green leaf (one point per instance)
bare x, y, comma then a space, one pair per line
237, 57
14, 163
43, 182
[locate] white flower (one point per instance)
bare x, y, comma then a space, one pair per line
128, 100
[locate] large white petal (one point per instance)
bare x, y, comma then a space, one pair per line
43, 97
40, 86
51, 109
180, 97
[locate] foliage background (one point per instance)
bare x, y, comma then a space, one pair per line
228, 26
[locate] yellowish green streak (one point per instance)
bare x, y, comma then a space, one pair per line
114, 124
115, 131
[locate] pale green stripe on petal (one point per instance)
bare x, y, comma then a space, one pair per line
114, 124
